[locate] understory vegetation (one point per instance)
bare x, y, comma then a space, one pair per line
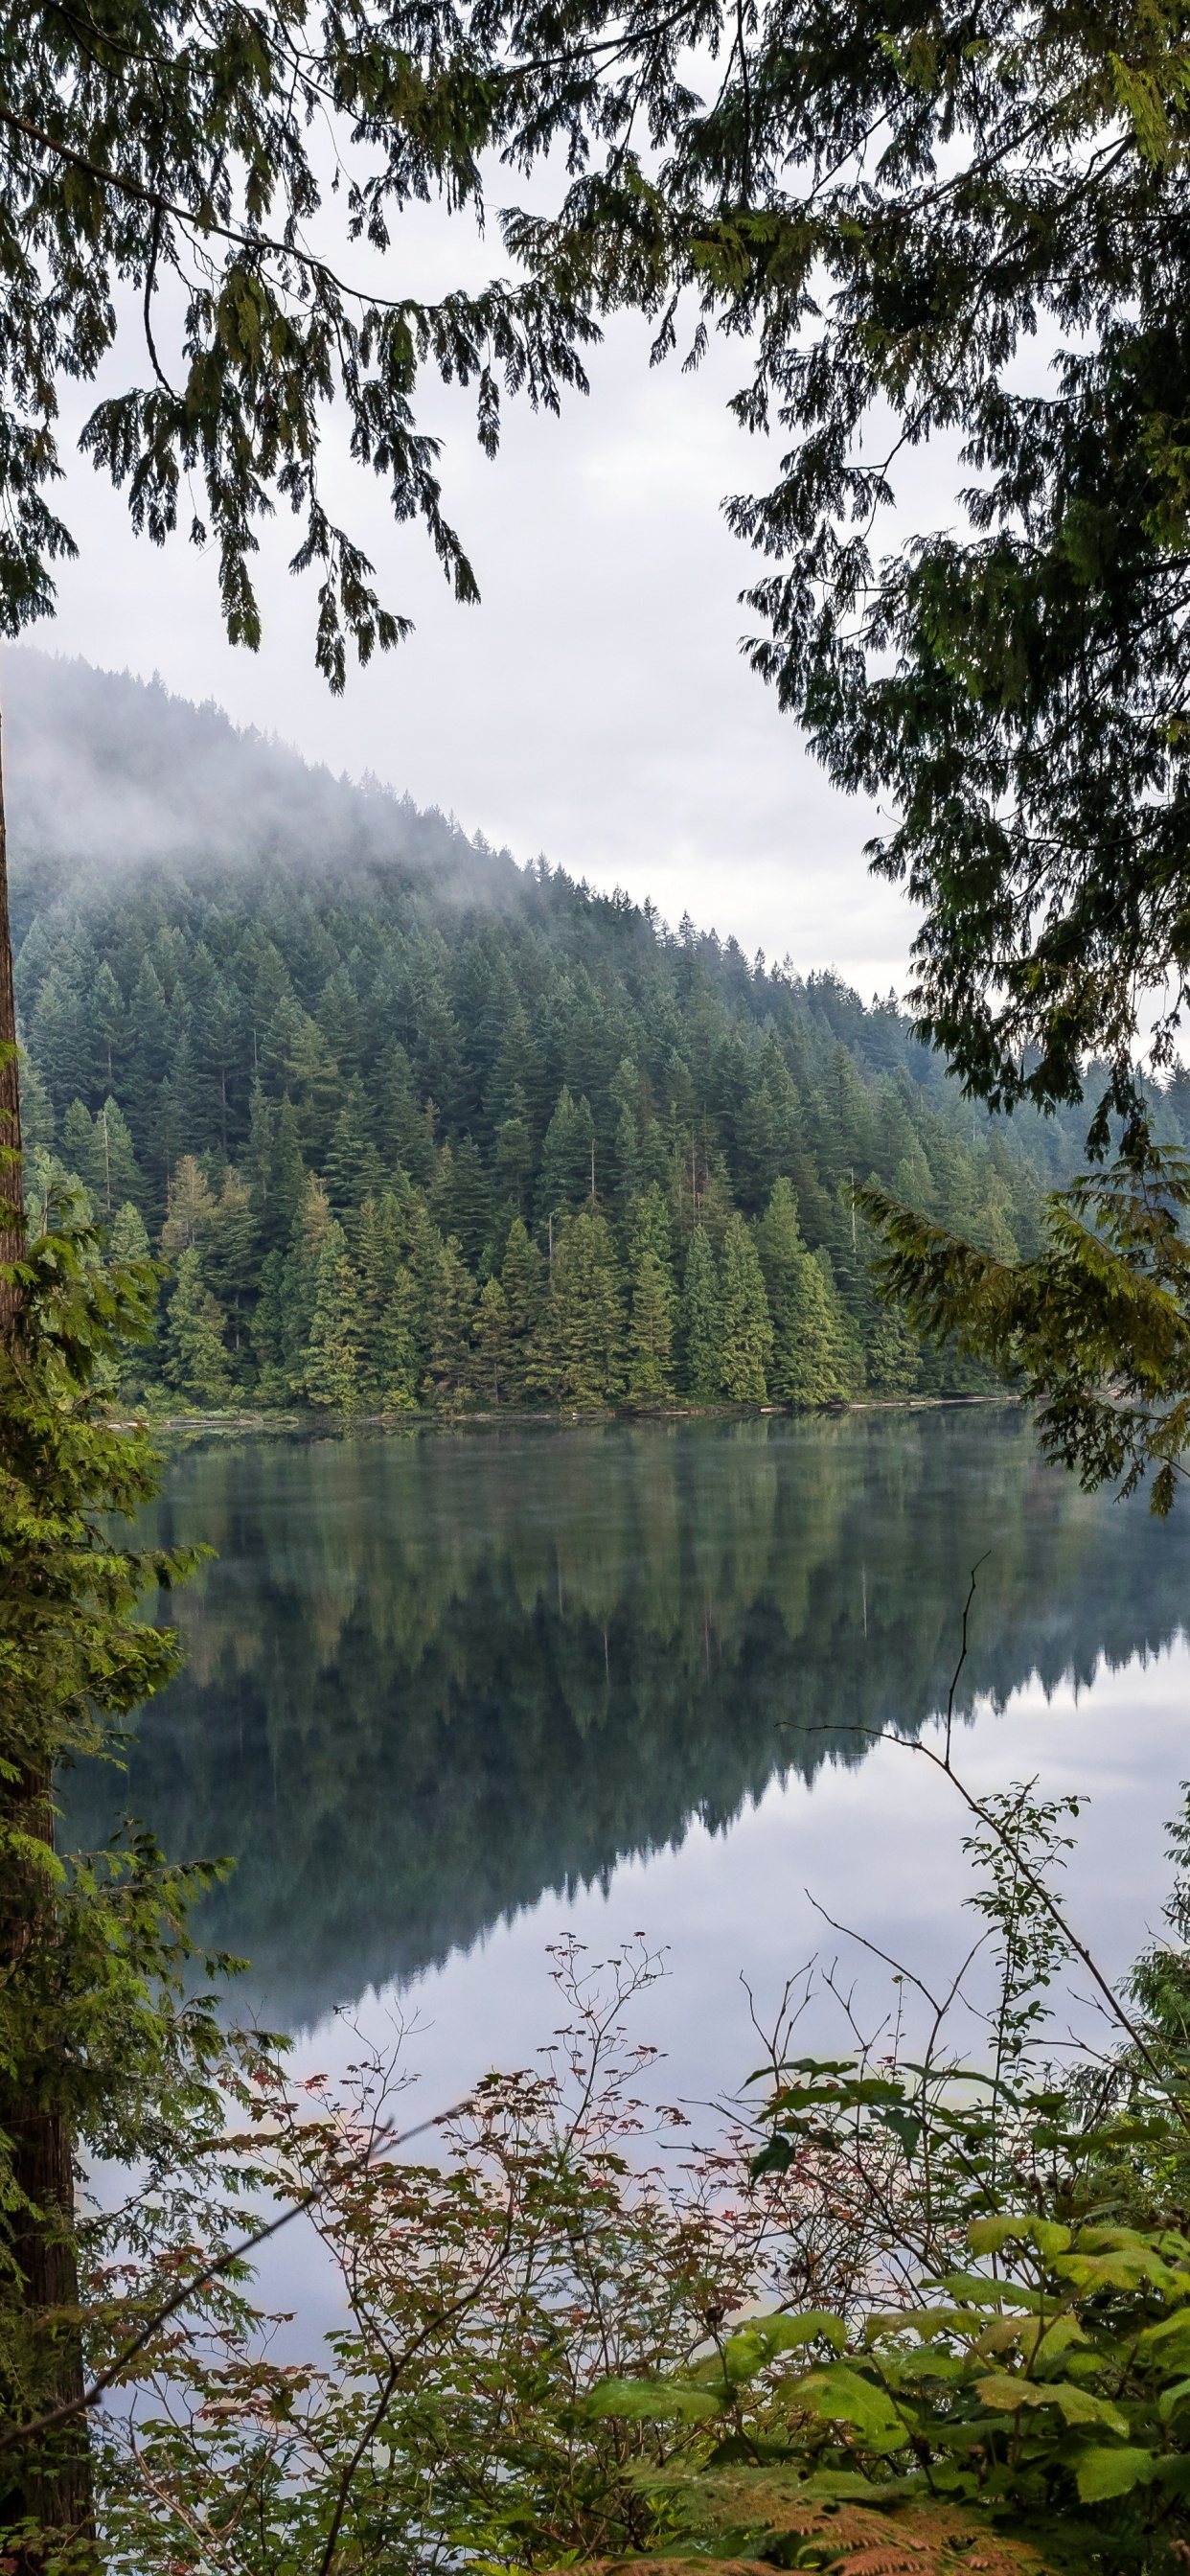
398, 1148
924, 2305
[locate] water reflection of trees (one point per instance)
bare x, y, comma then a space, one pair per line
430, 1677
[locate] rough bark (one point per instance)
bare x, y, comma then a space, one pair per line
53, 2489
12, 1232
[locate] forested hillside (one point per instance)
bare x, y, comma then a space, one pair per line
410, 1125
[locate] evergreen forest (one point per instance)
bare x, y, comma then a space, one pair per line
407, 1125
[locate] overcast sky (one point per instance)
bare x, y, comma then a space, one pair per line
594, 707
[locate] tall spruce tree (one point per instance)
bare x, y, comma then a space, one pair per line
334, 1362
814, 1358
747, 1334
700, 1323
196, 1361
579, 1355
654, 1302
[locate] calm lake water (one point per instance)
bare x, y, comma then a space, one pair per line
452, 1693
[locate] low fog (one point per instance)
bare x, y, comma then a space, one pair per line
105, 771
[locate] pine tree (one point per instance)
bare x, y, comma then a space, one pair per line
196, 1363
700, 1323
579, 1354
747, 1331
492, 1339
450, 1367
651, 1330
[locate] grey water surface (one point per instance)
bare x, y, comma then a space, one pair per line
448, 1693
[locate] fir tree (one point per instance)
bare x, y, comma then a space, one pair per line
287, 1186
114, 1174
579, 1354
747, 1332
651, 1330
814, 1358
127, 1235
566, 1161
492, 1338
450, 1365
333, 1360
352, 1164
514, 1156
520, 1280
467, 1204
191, 1206
229, 1250
196, 1362
109, 1021
700, 1323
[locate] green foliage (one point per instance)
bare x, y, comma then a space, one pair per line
95, 2041
1095, 1327
814, 1358
701, 1321
746, 1332
580, 1339
196, 1362
697, 1085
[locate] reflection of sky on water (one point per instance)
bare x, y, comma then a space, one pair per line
449, 1697
879, 1848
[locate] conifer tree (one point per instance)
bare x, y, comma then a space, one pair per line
492, 1339
814, 1359
514, 1155
651, 1329
288, 1181
747, 1333
565, 1177
191, 1206
300, 1280
451, 1359
520, 1280
351, 1165
196, 1362
580, 1340
333, 1360
258, 1157
467, 1202
700, 1323
229, 1251
117, 1174
127, 1236
109, 1021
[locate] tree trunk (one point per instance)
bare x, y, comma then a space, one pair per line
52, 2489
12, 1228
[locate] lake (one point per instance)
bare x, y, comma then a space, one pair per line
450, 1694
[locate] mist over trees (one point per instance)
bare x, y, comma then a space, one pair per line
411, 1125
